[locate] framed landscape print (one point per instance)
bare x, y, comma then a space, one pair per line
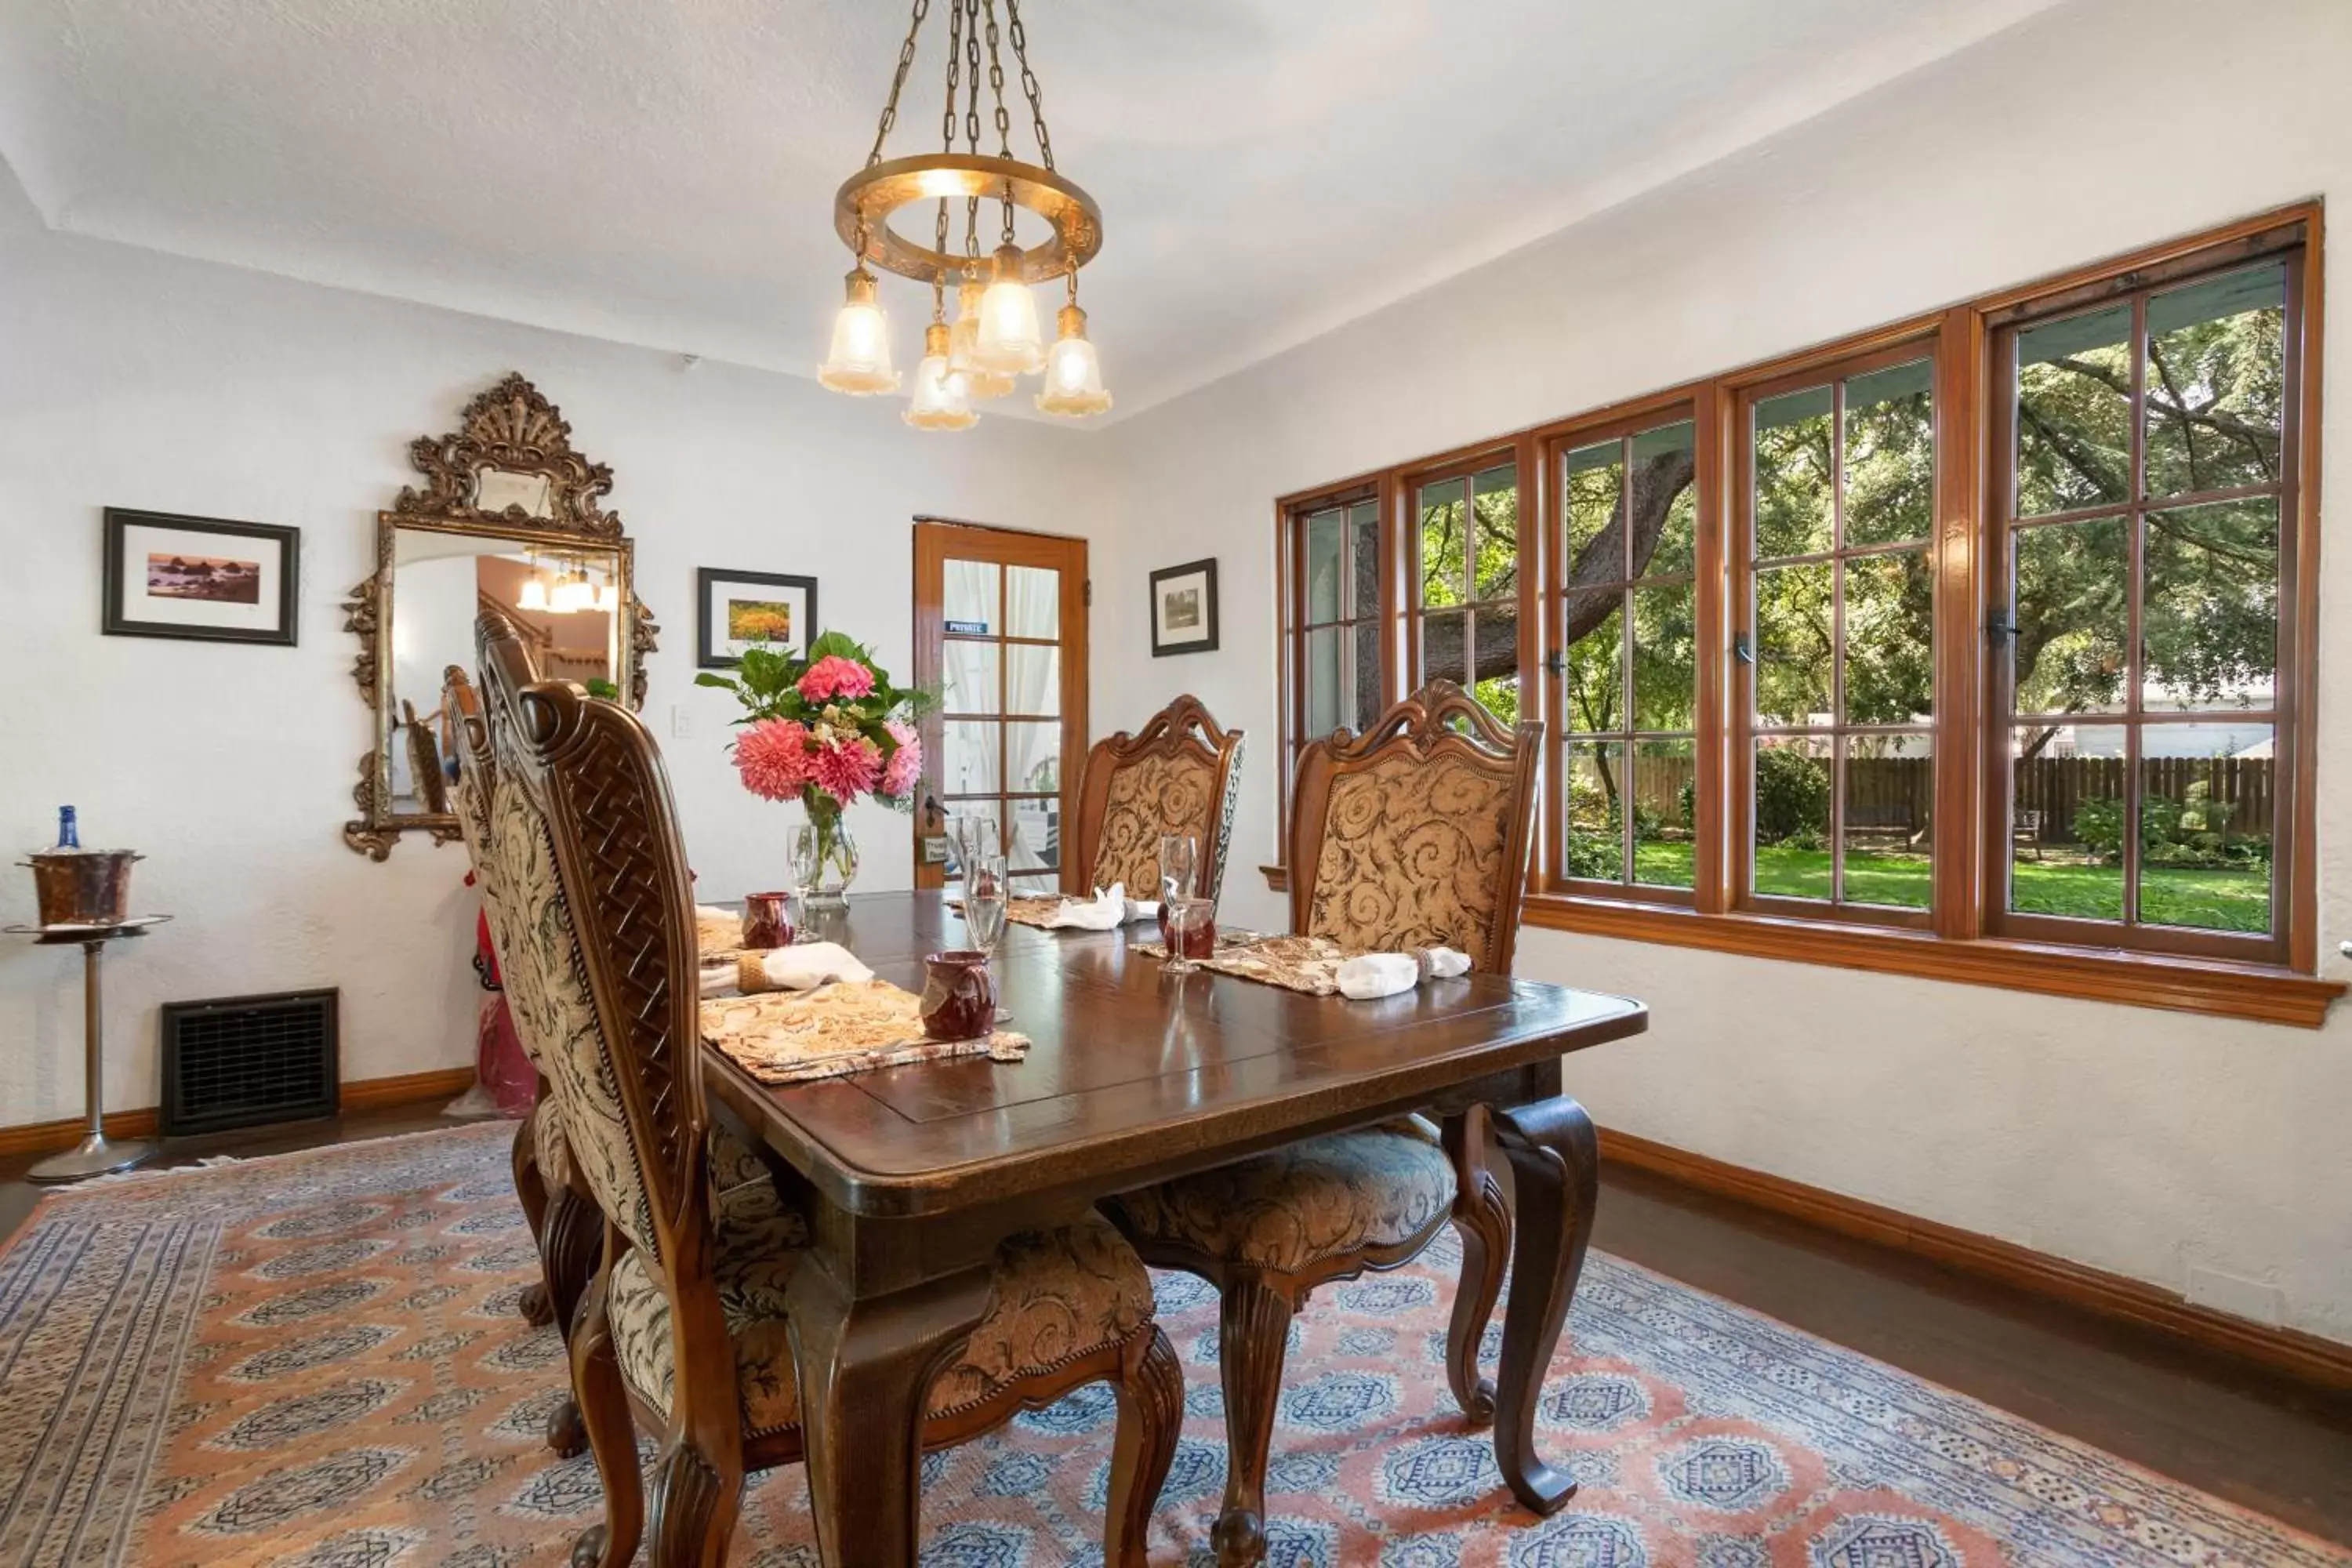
1184, 608
200, 578
739, 609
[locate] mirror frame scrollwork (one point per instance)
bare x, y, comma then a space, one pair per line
511, 429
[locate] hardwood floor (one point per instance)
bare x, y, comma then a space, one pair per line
2235, 1431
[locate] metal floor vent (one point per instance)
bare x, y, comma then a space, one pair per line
246, 1061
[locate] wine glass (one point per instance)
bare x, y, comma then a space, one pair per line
986, 887
1185, 918
1180, 863
976, 835
801, 855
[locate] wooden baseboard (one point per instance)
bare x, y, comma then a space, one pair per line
364, 1094
2308, 1358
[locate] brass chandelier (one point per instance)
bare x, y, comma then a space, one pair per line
996, 338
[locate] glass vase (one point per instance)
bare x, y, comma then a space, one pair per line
826, 883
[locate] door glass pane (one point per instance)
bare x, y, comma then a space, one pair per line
968, 766
1596, 843
1595, 636
1794, 648
1792, 474
1665, 796
1890, 794
1034, 679
1364, 523
1496, 680
1365, 677
2215, 382
1441, 647
2206, 795
1792, 816
1036, 844
1593, 482
2066, 821
1496, 500
1890, 455
1665, 502
1324, 650
968, 682
2071, 612
2210, 617
1033, 757
1324, 548
1890, 614
1032, 604
2073, 413
1444, 524
969, 599
1665, 645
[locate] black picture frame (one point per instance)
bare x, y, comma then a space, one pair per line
708, 653
1207, 641
116, 618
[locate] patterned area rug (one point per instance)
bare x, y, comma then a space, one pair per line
316, 1360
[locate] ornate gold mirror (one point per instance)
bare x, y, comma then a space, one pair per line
507, 516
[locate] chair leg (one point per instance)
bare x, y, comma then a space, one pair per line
537, 1305
568, 1250
1253, 1334
611, 1436
1483, 1219
1150, 1416
694, 1505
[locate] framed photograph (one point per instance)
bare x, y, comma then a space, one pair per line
200, 578
738, 610
1184, 608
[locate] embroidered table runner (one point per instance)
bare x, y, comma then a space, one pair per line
1307, 964
717, 938
794, 1037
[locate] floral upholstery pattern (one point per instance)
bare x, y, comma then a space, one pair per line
1058, 1295
1291, 1208
1148, 797
548, 1146
1412, 856
547, 988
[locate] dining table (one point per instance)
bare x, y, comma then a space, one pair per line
912, 1175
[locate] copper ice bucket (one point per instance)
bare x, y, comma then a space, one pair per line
83, 887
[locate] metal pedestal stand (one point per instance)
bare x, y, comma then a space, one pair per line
95, 1155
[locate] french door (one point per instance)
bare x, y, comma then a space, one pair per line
1001, 635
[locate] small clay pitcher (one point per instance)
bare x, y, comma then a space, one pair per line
959, 995
767, 921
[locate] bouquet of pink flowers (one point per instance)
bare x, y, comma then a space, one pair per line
827, 730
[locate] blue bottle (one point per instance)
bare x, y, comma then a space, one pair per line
68, 836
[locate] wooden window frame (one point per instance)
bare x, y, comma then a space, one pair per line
1465, 465
1291, 514
1964, 937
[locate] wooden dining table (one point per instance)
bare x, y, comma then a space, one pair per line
912, 1175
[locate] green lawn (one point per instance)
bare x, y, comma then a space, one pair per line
2236, 900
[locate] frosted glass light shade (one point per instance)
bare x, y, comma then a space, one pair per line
1009, 342
977, 382
859, 363
938, 402
572, 595
608, 597
534, 594
1074, 385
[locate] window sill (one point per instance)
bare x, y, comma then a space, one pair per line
2260, 992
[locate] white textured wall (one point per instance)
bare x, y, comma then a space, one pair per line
2141, 1141
132, 379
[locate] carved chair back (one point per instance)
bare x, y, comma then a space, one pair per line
1179, 774
471, 800
1416, 832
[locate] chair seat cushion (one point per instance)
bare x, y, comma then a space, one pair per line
1058, 1296
1289, 1209
549, 1151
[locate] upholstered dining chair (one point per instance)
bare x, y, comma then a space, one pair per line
1179, 773
1414, 834
684, 1326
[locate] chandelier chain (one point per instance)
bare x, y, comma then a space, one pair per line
955, 53
1029, 82
898, 83
970, 11
996, 86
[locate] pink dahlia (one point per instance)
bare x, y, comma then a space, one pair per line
772, 756
834, 676
906, 763
846, 769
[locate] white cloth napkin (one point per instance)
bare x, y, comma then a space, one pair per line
1371, 975
1106, 911
802, 968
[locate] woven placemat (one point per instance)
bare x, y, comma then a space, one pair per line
1307, 964
795, 1037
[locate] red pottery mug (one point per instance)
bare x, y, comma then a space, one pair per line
767, 921
958, 997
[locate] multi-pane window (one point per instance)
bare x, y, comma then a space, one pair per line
1336, 619
1465, 624
2147, 478
1839, 637
1627, 616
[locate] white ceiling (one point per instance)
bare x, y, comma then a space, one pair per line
661, 172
